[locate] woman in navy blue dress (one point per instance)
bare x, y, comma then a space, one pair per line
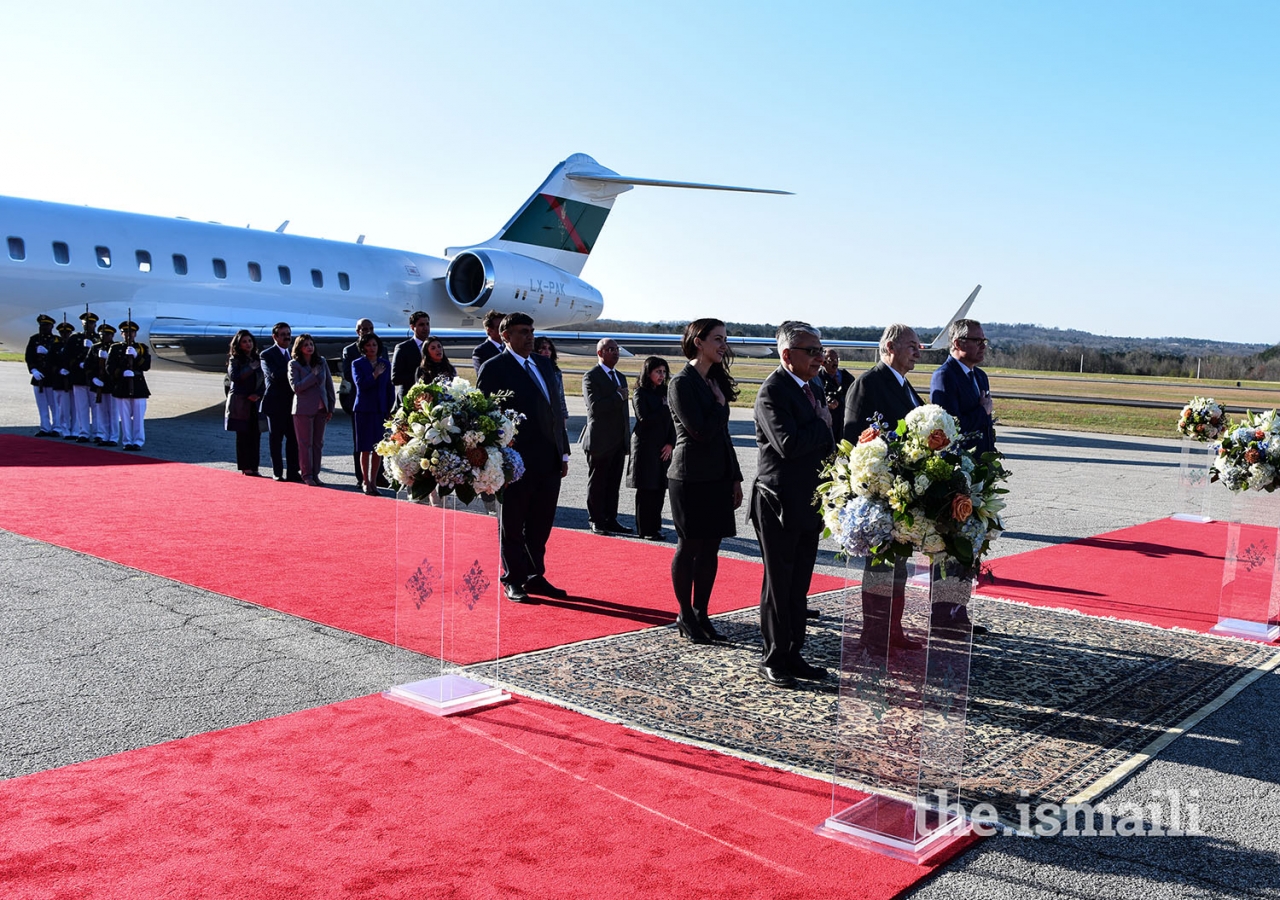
371, 409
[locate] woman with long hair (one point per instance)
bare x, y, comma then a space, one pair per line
435, 362
313, 402
705, 479
244, 371
544, 346
652, 440
372, 407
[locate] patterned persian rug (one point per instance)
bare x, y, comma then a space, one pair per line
1060, 705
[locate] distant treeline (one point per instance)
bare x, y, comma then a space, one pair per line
1036, 348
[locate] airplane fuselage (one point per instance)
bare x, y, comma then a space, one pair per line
179, 276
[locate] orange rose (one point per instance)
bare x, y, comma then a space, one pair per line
938, 439
868, 436
477, 457
400, 438
1253, 455
961, 507
1259, 434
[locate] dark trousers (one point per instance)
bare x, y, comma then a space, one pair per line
525, 517
884, 596
649, 510
281, 432
604, 480
789, 555
249, 445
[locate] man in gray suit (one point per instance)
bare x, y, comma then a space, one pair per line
606, 440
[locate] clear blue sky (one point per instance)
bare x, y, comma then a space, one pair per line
1110, 166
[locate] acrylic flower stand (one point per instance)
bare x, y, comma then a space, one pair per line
1193, 481
901, 715
448, 604
1249, 602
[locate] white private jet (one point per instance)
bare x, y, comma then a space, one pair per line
191, 285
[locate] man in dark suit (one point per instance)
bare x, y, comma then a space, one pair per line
884, 389
962, 389
793, 432
407, 354
277, 406
492, 345
528, 507
606, 440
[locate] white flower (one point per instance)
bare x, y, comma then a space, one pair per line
439, 432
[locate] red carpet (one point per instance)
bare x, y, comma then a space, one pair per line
1165, 573
329, 555
370, 798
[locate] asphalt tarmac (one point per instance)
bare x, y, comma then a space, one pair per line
97, 658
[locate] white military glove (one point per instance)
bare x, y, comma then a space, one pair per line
128, 373
63, 372
102, 354
131, 351
88, 343
97, 382
82, 365
37, 375
42, 349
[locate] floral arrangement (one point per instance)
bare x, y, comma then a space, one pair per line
1248, 455
448, 436
913, 488
1202, 419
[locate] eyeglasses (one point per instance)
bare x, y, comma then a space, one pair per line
812, 351
982, 342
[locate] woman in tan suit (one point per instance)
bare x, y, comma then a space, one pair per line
313, 402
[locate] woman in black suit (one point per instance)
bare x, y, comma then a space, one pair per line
652, 440
244, 370
435, 362
705, 479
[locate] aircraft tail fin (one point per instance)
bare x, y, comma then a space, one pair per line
941, 342
560, 223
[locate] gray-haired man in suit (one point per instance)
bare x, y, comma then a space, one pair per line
606, 440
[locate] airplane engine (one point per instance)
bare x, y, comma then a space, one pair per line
480, 280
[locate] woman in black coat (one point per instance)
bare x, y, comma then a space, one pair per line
244, 370
705, 479
435, 362
652, 440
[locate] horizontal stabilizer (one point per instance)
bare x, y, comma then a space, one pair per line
654, 182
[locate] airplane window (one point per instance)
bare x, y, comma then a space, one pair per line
285, 277
219, 268
144, 260
255, 272
104, 257
61, 255
344, 281
179, 264
17, 248
317, 278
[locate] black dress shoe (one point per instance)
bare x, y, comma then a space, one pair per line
43, 433
690, 630
811, 613
777, 677
82, 440
617, 528
539, 585
252, 473
277, 478
515, 593
708, 627
599, 529
108, 443
136, 447
295, 477
902, 642
660, 536
68, 437
978, 629
801, 669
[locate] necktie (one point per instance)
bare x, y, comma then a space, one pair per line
911, 398
808, 392
528, 365
973, 380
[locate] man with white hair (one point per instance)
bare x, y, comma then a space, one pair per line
793, 433
607, 438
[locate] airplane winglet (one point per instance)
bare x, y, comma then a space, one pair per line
655, 182
941, 342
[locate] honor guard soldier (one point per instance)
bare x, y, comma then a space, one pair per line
41, 350
106, 419
77, 355
62, 383
127, 362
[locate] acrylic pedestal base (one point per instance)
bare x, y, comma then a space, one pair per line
1189, 517
897, 828
1243, 628
447, 695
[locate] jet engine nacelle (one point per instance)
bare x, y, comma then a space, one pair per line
480, 280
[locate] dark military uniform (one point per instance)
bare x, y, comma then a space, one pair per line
77, 355
106, 419
61, 383
129, 386
41, 359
